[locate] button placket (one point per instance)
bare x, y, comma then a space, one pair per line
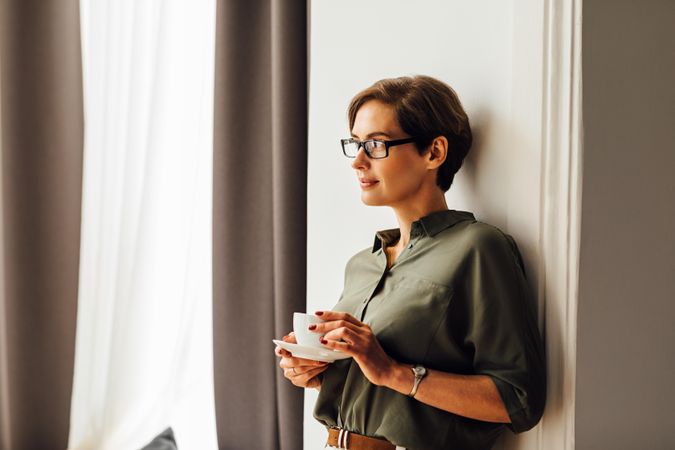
364, 303
415, 235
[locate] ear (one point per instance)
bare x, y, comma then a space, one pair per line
437, 152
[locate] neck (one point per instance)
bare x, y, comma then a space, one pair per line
412, 211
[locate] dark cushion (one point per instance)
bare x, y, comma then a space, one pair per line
163, 441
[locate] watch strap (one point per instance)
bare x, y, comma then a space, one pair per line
418, 379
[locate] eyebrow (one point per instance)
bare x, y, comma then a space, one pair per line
374, 133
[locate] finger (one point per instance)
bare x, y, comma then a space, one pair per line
338, 315
327, 327
282, 352
290, 337
314, 372
303, 370
343, 333
313, 382
344, 347
303, 378
306, 362
293, 362
289, 373
287, 363
298, 370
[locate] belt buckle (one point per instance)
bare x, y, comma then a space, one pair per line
343, 439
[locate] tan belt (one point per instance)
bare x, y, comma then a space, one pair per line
341, 438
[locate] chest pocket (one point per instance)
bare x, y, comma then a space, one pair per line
406, 314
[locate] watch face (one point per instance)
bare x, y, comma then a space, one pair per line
420, 371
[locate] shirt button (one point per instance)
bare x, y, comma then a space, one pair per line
409, 245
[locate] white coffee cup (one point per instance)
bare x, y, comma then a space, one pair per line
303, 335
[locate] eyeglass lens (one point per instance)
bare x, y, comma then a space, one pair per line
375, 149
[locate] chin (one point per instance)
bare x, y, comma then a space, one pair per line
372, 201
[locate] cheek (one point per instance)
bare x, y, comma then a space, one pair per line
402, 177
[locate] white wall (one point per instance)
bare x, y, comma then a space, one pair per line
626, 358
469, 45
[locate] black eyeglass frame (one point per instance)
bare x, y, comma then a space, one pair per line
387, 144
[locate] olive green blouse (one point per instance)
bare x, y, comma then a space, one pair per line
456, 300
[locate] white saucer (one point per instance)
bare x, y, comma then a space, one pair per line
313, 353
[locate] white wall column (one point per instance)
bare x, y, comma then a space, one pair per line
516, 68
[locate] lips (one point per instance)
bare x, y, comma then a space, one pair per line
367, 182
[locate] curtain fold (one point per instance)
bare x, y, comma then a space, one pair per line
143, 356
259, 217
41, 143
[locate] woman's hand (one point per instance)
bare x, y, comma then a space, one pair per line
358, 341
300, 371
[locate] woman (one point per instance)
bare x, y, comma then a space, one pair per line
437, 314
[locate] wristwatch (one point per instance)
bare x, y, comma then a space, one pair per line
419, 371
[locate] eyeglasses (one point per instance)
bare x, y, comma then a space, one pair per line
374, 148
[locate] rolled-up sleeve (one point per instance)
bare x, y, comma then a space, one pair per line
501, 326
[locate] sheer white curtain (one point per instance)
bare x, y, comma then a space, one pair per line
143, 355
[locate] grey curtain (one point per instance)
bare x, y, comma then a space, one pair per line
41, 130
259, 217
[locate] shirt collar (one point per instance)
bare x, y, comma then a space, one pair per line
431, 225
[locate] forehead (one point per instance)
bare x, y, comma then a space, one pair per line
375, 116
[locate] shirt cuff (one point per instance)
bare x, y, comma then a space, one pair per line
521, 418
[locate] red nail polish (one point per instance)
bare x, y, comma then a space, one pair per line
312, 326
323, 341
319, 313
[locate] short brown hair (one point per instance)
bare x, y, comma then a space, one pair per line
426, 108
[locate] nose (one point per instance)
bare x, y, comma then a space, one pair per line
361, 159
